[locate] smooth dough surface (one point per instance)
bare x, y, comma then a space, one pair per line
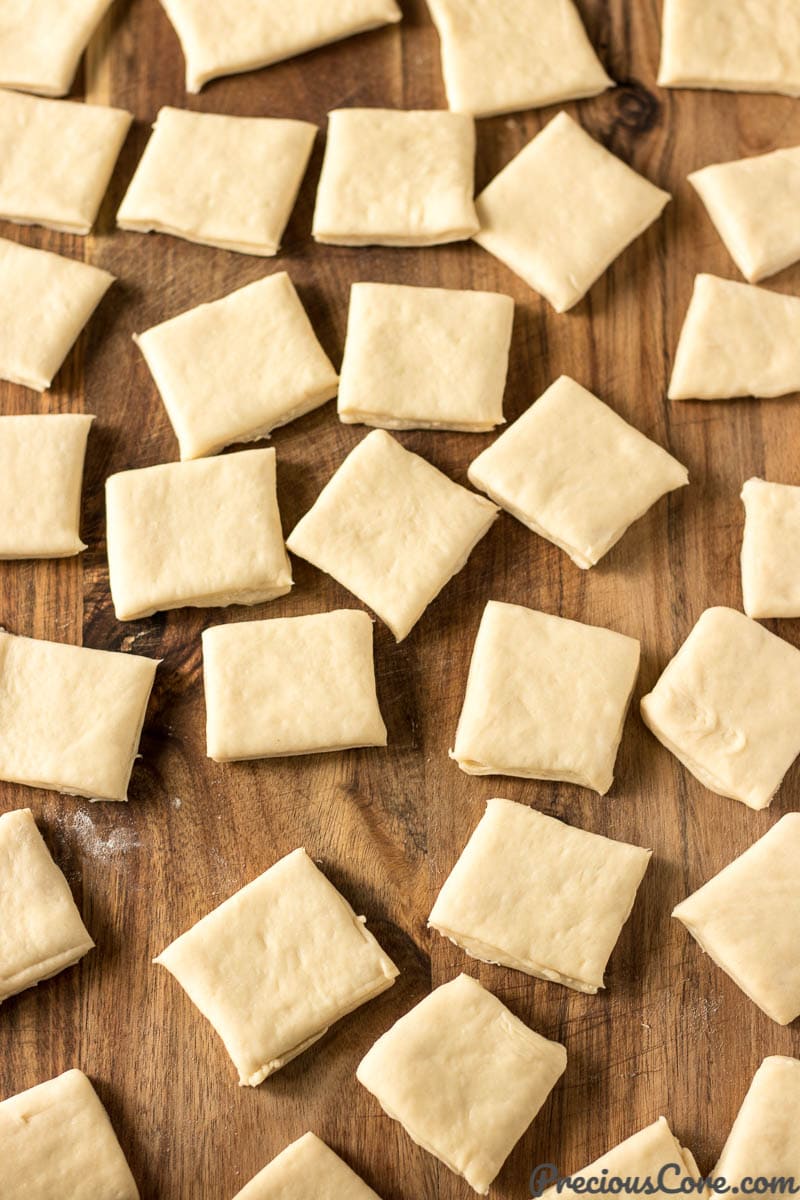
305, 1169
765, 1138
41, 42
562, 210
392, 529
747, 919
278, 963
728, 706
235, 369
771, 549
575, 472
546, 698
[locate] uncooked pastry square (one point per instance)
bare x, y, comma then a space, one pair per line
562, 210
41, 472
546, 698
307, 1168
392, 529
278, 963
539, 896
728, 706
395, 178
747, 919
765, 1138
464, 1077
575, 472
219, 180
200, 534
425, 358
293, 685
41, 42
71, 717
237, 368
771, 549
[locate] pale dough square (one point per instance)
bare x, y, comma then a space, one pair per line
464, 1077
71, 717
771, 549
728, 706
198, 534
218, 180
575, 472
278, 963
747, 919
41, 932
41, 473
502, 56
425, 358
41, 42
392, 529
306, 1170
546, 698
765, 1138
562, 210
293, 685
395, 178
235, 369
539, 896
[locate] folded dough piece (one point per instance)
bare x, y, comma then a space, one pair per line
394, 178
42, 42
392, 529
237, 368
575, 472
562, 210
765, 1138
275, 965
728, 706
771, 549
464, 1077
546, 698
747, 918
308, 1168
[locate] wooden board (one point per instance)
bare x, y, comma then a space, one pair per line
671, 1034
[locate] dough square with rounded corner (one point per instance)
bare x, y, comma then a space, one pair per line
765, 1138
307, 1168
771, 549
42, 42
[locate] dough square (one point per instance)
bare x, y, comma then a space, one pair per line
502, 56
307, 1168
71, 717
539, 896
45, 301
237, 368
562, 210
765, 1138
771, 549
392, 529
728, 706
41, 473
278, 963
425, 358
546, 698
56, 1140
464, 1077
218, 180
575, 472
292, 685
196, 534
394, 178
41, 42
747, 919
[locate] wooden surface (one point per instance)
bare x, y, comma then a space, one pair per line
671, 1034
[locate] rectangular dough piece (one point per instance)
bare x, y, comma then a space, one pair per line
771, 549
277, 964
765, 1138
195, 534
41, 42
306, 1170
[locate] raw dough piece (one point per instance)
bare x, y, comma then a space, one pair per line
275, 965
747, 918
728, 706
71, 717
771, 549
765, 1138
237, 368
219, 180
242, 35
306, 1170
501, 56
294, 685
425, 358
45, 301
41, 42
200, 534
546, 698
539, 896
575, 472
392, 529
464, 1077
395, 178
56, 1140
41, 932
41, 471
562, 210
